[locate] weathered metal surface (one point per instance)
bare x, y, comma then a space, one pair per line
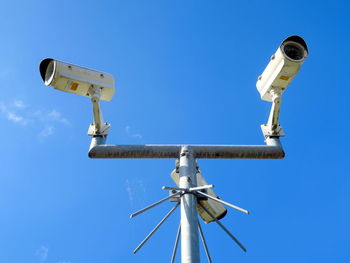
199, 151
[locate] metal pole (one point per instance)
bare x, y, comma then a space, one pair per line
189, 218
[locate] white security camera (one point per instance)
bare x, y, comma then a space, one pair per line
81, 81
283, 67
215, 208
75, 79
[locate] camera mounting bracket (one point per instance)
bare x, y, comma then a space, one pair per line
98, 127
272, 128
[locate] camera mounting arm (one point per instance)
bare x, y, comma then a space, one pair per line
272, 128
98, 127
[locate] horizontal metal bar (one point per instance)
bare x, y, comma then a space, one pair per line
271, 151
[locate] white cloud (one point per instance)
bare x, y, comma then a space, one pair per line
42, 253
63, 261
49, 116
47, 131
11, 115
131, 134
19, 104
54, 115
16, 118
44, 120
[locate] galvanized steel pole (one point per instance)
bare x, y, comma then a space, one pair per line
189, 218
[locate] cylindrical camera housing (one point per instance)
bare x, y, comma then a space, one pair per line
75, 79
283, 67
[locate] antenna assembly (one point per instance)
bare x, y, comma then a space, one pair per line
175, 195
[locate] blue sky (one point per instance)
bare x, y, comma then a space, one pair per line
185, 72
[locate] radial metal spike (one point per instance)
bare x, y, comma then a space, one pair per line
222, 202
156, 228
173, 188
176, 244
153, 205
202, 187
224, 228
204, 243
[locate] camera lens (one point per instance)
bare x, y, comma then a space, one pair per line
293, 51
50, 71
